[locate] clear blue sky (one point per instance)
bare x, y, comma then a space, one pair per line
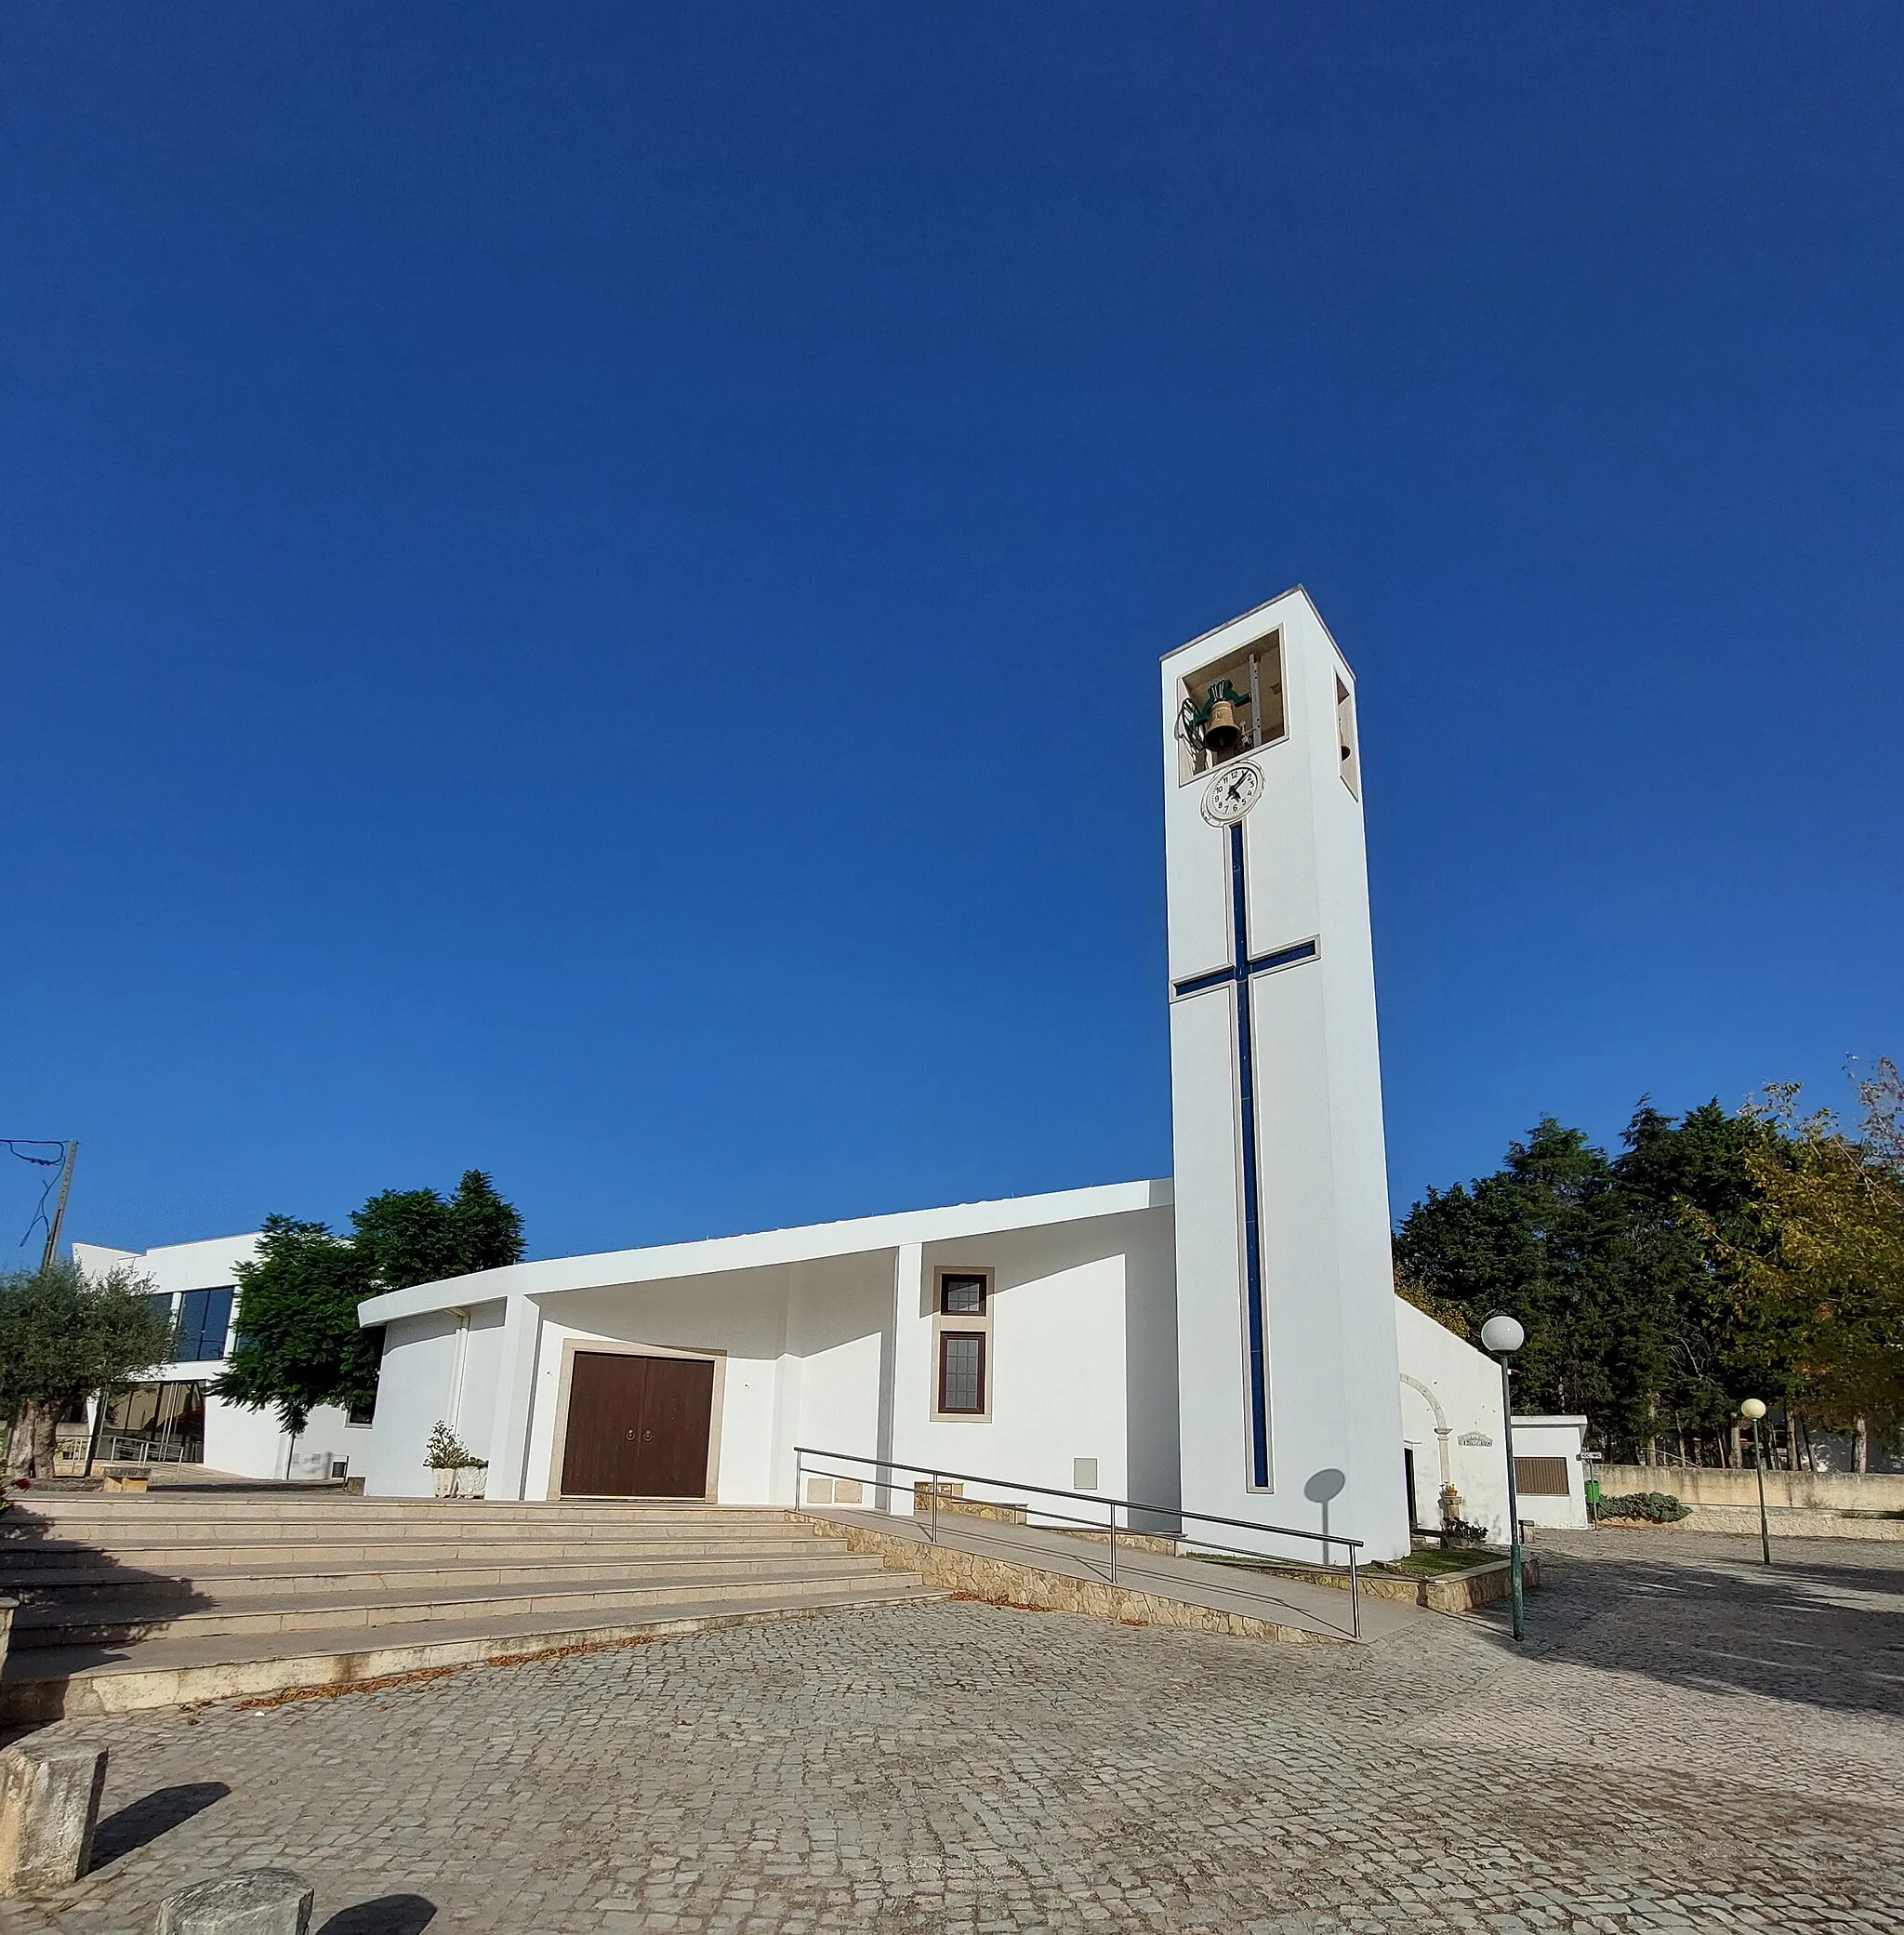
580, 585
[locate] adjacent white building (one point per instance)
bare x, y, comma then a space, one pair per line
171, 1416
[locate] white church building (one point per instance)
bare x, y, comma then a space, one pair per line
1223, 1342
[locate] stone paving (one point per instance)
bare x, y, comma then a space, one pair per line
1689, 1743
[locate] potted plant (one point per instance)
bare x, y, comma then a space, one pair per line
457, 1471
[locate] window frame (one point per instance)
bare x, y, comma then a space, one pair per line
947, 1337
961, 1323
982, 1278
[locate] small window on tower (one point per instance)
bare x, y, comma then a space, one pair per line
1347, 763
1229, 708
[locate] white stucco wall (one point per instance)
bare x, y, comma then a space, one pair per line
1057, 1363
1446, 1382
413, 1392
1553, 1437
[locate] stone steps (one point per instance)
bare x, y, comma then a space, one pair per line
74, 1682
118, 1601
296, 1609
34, 1558
79, 1569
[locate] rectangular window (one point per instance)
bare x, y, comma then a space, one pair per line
962, 1371
1541, 1478
961, 1296
205, 1316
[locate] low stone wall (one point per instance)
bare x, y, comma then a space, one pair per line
1009, 1584
1813, 1491
1484, 1584
1784, 1522
952, 1499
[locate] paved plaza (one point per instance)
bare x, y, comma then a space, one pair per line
1691, 1742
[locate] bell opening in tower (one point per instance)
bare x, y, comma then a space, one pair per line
1229, 708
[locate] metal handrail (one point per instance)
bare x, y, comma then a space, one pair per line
1111, 1505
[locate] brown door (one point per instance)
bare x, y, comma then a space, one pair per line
638, 1427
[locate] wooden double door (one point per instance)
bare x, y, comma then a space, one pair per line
638, 1427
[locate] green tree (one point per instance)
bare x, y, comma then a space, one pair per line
1538, 1240
414, 1236
1827, 1268
300, 1343
65, 1335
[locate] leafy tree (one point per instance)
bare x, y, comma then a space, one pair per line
1690, 1197
300, 1343
1828, 1268
65, 1335
414, 1236
1538, 1240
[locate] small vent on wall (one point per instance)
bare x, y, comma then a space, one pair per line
1084, 1474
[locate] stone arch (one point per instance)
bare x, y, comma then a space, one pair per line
1442, 1428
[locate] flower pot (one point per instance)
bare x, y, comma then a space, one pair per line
472, 1479
445, 1477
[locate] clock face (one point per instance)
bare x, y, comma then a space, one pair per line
1231, 794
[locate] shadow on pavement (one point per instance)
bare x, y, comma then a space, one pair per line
1825, 1630
144, 1821
388, 1915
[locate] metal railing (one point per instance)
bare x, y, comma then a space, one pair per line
147, 1450
803, 1469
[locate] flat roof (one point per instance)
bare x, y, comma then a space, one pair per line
763, 1249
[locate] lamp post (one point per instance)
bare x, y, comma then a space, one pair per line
1503, 1337
1753, 1409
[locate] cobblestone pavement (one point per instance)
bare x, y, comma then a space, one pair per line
1690, 1741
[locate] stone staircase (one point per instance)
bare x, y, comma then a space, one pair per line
133, 1602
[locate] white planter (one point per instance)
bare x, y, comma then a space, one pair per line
472, 1479
445, 1479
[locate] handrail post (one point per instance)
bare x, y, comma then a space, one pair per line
1114, 1545
800, 1460
1355, 1596
935, 1508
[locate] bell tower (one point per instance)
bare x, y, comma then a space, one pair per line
1290, 1407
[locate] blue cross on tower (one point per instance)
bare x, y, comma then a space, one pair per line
1239, 975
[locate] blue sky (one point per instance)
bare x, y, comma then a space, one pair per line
581, 585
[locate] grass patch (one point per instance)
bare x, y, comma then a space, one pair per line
1426, 1562
1430, 1561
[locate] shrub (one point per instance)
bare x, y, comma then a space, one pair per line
445, 1453
1656, 1507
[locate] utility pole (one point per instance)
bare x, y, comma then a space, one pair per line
59, 1206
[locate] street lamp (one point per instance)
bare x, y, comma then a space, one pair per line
1503, 1337
1753, 1409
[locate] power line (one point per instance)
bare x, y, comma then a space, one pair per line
60, 1162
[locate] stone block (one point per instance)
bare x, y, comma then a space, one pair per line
262, 1902
50, 1804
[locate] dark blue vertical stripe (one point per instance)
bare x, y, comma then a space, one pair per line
1252, 1239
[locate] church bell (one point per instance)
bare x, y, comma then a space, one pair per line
1221, 734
